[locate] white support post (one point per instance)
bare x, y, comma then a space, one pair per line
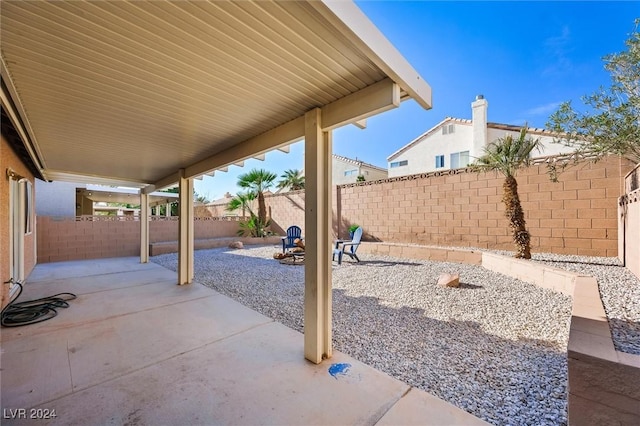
144, 227
185, 234
167, 210
317, 279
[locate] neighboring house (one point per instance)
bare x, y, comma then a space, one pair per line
346, 170
17, 216
454, 143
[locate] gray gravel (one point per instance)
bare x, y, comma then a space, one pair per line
619, 292
495, 347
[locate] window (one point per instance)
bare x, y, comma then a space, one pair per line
28, 206
350, 172
448, 129
459, 159
399, 163
464, 158
439, 161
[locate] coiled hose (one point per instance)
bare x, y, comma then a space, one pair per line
33, 311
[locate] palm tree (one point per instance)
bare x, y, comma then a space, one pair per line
292, 179
241, 201
256, 182
507, 155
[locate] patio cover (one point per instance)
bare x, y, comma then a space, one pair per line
98, 193
147, 94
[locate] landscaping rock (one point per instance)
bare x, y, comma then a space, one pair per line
236, 245
449, 280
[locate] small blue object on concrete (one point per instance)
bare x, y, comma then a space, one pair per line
339, 370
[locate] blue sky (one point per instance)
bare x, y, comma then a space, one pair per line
524, 57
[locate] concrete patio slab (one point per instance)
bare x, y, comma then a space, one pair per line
110, 350
158, 353
417, 408
87, 268
96, 283
101, 306
34, 371
257, 377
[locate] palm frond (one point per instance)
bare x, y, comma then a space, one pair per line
257, 180
242, 201
292, 179
507, 154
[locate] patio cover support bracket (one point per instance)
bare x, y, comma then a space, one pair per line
185, 233
317, 274
144, 228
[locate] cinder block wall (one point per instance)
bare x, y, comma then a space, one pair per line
214, 227
285, 210
61, 239
64, 238
577, 215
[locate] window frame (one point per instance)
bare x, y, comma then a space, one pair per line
26, 200
401, 163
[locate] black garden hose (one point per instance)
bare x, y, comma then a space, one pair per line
33, 311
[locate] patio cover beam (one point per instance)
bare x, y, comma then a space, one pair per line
371, 100
144, 227
185, 233
317, 274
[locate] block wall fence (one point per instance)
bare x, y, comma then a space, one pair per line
576, 215
61, 239
579, 214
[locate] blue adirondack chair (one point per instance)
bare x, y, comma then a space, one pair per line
293, 232
348, 247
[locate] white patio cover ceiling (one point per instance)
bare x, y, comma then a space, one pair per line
130, 92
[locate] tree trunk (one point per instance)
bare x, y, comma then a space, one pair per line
513, 212
262, 209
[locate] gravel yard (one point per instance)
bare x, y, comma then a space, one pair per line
619, 292
495, 347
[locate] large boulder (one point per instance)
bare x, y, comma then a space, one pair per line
236, 245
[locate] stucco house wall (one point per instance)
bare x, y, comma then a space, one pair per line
56, 199
9, 159
421, 157
346, 170
371, 173
455, 135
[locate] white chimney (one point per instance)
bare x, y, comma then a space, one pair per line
479, 118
